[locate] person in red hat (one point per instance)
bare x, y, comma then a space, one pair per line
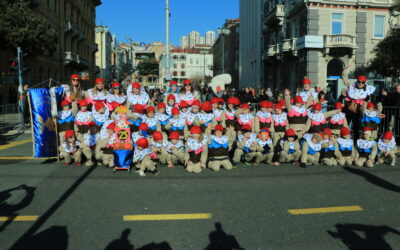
151, 120
173, 90
218, 113
371, 117
65, 120
311, 149
144, 158
170, 100
70, 149
89, 142
308, 92
136, 94
265, 148
229, 120
244, 116
188, 94
246, 146
100, 113
206, 119
73, 92
162, 117
184, 108
279, 118
175, 149
387, 149
317, 119
142, 132
346, 152
191, 116
297, 114
338, 120
219, 146
329, 148
136, 116
263, 118
366, 149
82, 120
158, 146
105, 146
116, 96
98, 93
196, 151
177, 123
290, 147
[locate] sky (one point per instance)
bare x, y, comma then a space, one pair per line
144, 20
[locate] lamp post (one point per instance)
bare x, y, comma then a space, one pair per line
167, 54
222, 32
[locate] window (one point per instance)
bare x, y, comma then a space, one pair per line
379, 26
191, 61
182, 66
197, 61
175, 66
337, 23
183, 73
175, 73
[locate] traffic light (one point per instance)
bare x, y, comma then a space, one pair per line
13, 63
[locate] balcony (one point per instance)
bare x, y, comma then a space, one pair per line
275, 16
273, 50
67, 26
289, 45
70, 57
340, 41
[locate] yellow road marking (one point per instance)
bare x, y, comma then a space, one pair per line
20, 218
24, 158
325, 210
152, 217
14, 144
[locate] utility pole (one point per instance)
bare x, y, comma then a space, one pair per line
167, 54
21, 87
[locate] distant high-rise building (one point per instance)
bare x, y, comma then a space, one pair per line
210, 38
184, 42
202, 40
194, 38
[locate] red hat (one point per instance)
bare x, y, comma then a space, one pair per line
171, 97
186, 82
245, 106
266, 104
142, 142
317, 106
175, 111
69, 134
99, 80
246, 128
111, 126
362, 78
183, 104
367, 130
327, 131
143, 126
150, 109
196, 103
75, 76
278, 106
174, 135
370, 105
219, 89
221, 100
157, 136
116, 85
387, 136
172, 83
136, 85
92, 124
114, 105
344, 131
83, 103
282, 102
138, 108
99, 105
290, 132
65, 103
214, 100
306, 81
266, 130
219, 127
233, 101
206, 106
338, 105
298, 99
161, 105
195, 130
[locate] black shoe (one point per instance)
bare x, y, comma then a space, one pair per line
303, 165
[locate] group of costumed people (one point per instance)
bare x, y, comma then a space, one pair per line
216, 134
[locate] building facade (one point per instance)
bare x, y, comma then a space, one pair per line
193, 38
317, 39
184, 43
251, 43
210, 38
104, 41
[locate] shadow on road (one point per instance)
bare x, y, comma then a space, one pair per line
54, 238
374, 179
7, 208
361, 237
6, 139
220, 240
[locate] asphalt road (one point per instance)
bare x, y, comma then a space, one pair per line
246, 208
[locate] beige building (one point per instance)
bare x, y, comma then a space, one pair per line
316, 38
74, 22
104, 42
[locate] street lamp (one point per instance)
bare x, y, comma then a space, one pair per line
222, 32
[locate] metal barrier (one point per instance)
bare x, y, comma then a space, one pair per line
9, 116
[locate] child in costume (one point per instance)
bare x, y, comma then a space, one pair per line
137, 95
317, 120
290, 147
338, 120
246, 146
184, 109
144, 157
177, 123
297, 114
265, 147
98, 93
329, 148
346, 152
281, 123
217, 111
371, 117
82, 120
366, 149
196, 151
151, 120
263, 118
100, 113
142, 132
89, 142
70, 149
170, 104
191, 116
188, 94
116, 96
206, 119
244, 116
136, 117
158, 146
218, 149
310, 149
65, 120
175, 149
387, 148
174, 90
229, 120
162, 118
105, 146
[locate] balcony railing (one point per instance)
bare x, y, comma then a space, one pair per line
342, 40
70, 57
273, 50
275, 16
